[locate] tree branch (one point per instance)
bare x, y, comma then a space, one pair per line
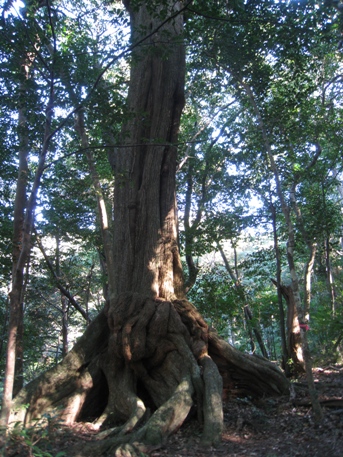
58, 282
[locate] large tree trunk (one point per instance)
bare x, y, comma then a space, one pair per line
149, 356
170, 360
146, 257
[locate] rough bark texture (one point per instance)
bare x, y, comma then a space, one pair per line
149, 357
155, 360
146, 258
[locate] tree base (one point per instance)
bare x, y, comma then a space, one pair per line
139, 368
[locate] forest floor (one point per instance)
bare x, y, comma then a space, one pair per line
269, 427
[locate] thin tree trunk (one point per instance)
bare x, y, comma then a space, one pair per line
88, 290
64, 301
107, 263
102, 211
290, 229
189, 229
329, 277
18, 221
303, 313
285, 352
248, 325
4, 326
18, 267
63, 288
308, 281
294, 348
257, 333
317, 410
19, 364
15, 324
252, 328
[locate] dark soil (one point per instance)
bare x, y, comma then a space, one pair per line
267, 427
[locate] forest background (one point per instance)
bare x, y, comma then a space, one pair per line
259, 175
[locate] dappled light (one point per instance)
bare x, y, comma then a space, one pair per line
171, 228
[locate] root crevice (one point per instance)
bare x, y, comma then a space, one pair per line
147, 362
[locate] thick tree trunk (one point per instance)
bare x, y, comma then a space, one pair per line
152, 359
149, 356
146, 257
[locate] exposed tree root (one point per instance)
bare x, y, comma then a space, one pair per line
139, 370
56, 390
213, 411
244, 374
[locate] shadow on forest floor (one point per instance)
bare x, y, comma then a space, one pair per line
268, 427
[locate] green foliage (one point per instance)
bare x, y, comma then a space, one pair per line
221, 303
36, 439
266, 78
61, 50
259, 75
216, 297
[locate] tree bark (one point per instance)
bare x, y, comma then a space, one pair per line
149, 356
19, 362
15, 325
146, 255
285, 351
294, 348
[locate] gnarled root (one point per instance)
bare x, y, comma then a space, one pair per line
165, 420
244, 374
139, 369
212, 405
161, 346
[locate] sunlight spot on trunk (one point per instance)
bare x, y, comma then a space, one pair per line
300, 354
104, 215
73, 408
